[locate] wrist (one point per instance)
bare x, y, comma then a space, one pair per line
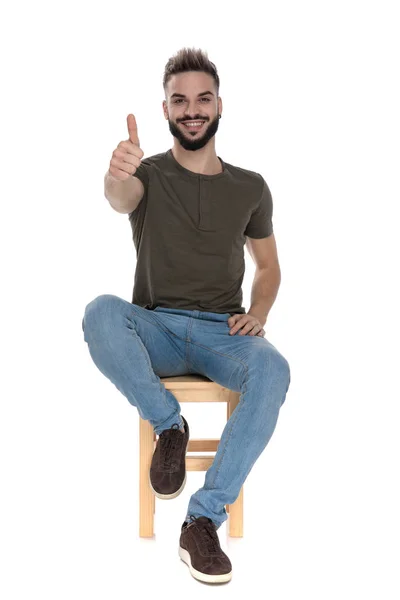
259, 314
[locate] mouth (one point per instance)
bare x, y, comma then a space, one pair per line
193, 125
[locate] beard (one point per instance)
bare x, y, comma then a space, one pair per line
192, 140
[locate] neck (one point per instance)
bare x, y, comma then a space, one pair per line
204, 161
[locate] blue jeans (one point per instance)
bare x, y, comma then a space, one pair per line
133, 347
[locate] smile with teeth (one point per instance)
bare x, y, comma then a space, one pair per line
193, 123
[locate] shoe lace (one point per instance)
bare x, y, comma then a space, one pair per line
170, 441
208, 537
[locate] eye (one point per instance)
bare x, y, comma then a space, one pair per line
180, 100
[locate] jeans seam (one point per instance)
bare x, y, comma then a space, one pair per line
169, 332
187, 353
235, 412
219, 353
165, 329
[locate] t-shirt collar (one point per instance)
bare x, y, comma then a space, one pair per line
176, 165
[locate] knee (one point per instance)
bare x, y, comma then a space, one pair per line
270, 361
280, 368
98, 311
283, 371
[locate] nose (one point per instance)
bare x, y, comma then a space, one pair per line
191, 109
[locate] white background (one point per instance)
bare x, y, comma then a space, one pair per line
311, 97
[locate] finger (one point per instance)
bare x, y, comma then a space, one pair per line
127, 157
239, 324
133, 131
123, 165
249, 328
128, 148
114, 172
233, 318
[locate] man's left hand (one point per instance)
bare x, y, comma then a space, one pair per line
246, 324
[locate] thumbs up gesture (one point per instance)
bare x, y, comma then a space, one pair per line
127, 156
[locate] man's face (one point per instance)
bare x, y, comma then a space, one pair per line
187, 101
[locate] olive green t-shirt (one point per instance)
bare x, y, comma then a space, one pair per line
189, 231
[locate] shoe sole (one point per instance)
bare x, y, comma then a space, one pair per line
174, 494
185, 556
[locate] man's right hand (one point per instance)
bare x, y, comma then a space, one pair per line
127, 156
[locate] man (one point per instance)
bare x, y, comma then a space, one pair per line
191, 214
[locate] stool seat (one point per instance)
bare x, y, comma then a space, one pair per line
186, 388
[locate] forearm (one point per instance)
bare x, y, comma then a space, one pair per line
119, 193
264, 292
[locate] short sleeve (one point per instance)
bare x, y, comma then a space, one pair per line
260, 223
142, 173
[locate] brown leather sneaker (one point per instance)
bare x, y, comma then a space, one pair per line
167, 474
199, 548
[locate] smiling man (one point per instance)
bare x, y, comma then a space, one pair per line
195, 133
191, 215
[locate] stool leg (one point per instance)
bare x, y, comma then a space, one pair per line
228, 413
236, 516
153, 495
235, 510
146, 496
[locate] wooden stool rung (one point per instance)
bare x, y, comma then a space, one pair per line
203, 445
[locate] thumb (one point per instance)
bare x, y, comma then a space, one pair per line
132, 128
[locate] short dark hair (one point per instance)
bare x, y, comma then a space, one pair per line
189, 59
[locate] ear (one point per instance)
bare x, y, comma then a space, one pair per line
165, 109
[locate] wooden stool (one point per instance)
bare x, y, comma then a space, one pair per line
186, 388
